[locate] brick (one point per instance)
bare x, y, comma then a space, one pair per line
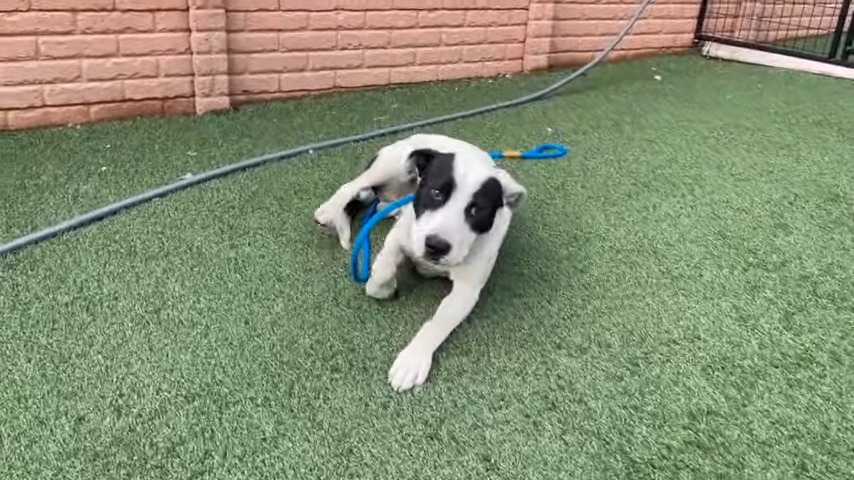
496, 18
683, 11
362, 5
305, 81
158, 88
579, 44
573, 11
78, 46
212, 104
324, 21
235, 22
66, 5
113, 111
252, 5
151, 4
536, 62
418, 4
494, 4
336, 60
36, 23
20, 97
179, 106
389, 58
439, 55
464, 36
414, 74
462, 70
210, 64
515, 52
363, 39
545, 29
505, 34
178, 66
17, 48
494, 69
253, 42
573, 58
314, 5
302, 41
44, 71
207, 20
49, 116
416, 38
276, 62
205, 4
277, 21
211, 86
4, 120
361, 78
336, 20
171, 21
537, 46
441, 18
209, 42
541, 11
115, 22
391, 19
154, 44
238, 64
82, 93
243, 84
119, 68
484, 53
14, 5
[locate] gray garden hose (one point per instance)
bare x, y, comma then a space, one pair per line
184, 183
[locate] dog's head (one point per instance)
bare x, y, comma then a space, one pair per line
458, 196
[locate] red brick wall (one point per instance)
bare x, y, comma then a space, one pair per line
74, 61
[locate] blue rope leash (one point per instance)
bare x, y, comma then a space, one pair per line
362, 245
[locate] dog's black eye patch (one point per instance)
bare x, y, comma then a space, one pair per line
480, 211
436, 183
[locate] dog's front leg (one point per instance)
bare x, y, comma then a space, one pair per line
383, 281
413, 363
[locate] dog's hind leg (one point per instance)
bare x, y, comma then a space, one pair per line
387, 176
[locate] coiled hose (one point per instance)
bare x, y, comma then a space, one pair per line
184, 183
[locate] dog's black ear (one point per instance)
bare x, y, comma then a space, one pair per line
421, 158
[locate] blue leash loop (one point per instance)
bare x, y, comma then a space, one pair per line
362, 245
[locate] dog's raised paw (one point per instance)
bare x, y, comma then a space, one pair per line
410, 368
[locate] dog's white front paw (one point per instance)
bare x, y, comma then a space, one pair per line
381, 290
411, 368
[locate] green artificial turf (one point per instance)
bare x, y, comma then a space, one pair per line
674, 300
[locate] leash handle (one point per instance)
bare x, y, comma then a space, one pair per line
540, 152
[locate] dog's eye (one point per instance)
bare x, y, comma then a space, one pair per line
472, 210
436, 194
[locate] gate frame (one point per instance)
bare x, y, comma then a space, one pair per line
840, 52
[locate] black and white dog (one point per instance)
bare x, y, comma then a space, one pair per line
454, 228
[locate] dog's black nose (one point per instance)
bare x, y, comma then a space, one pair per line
436, 246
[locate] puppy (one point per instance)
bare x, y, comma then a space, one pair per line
454, 228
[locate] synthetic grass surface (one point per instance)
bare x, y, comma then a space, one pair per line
674, 300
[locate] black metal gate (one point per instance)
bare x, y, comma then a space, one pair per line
820, 30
